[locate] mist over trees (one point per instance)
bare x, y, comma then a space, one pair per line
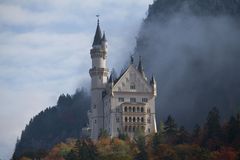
192, 47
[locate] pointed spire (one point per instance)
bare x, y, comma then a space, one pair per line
152, 81
98, 34
140, 67
110, 79
104, 38
132, 59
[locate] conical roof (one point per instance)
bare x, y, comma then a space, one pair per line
98, 35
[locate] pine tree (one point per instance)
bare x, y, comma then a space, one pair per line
170, 126
213, 124
140, 141
182, 136
213, 132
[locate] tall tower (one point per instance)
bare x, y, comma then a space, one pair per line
99, 76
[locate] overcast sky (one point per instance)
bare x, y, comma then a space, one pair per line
44, 52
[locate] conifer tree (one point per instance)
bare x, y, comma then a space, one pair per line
212, 125
170, 126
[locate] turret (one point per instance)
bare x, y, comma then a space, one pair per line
99, 81
104, 41
154, 85
99, 70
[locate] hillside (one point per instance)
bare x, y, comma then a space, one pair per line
211, 141
192, 47
54, 124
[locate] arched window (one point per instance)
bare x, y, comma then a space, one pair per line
130, 119
126, 128
130, 128
138, 119
125, 109
149, 121
148, 110
138, 109
142, 119
129, 109
134, 119
142, 109
126, 119
133, 109
134, 128
142, 128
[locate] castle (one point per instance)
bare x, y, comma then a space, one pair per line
123, 105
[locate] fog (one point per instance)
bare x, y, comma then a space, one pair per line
195, 60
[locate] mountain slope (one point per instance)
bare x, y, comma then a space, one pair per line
55, 124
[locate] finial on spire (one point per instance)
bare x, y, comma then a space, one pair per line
98, 34
98, 18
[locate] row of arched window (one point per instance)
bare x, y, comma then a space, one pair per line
133, 109
133, 128
134, 119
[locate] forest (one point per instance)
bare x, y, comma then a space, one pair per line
214, 140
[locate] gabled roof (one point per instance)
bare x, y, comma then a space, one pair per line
126, 71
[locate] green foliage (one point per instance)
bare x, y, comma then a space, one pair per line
139, 139
182, 136
123, 136
170, 126
159, 137
103, 134
114, 149
212, 125
170, 130
213, 132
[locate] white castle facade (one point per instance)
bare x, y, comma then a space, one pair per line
123, 105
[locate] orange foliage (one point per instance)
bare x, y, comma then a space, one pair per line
225, 154
25, 158
104, 141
